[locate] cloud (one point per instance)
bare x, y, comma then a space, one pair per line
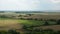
27, 5
19, 4
55, 1
56, 7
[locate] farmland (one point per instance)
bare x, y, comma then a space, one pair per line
15, 23
8, 24
29, 22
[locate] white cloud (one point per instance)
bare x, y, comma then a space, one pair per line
56, 7
55, 1
19, 4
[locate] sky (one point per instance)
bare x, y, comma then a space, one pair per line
29, 5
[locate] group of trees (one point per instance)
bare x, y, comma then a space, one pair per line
46, 22
33, 30
57, 22
9, 32
3, 16
22, 18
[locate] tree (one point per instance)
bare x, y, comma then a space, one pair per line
3, 32
29, 14
52, 19
3, 16
46, 23
58, 22
35, 19
58, 32
13, 32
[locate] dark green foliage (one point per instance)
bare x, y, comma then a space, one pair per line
58, 32
58, 22
29, 19
21, 18
3, 32
13, 32
3, 16
40, 19
46, 23
35, 19
27, 28
52, 19
38, 31
35, 30
9, 32
29, 14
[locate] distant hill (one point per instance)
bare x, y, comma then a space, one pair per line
52, 10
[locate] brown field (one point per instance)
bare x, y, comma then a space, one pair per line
53, 27
38, 16
46, 16
7, 24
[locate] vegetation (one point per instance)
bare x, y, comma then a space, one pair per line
58, 21
46, 23
27, 23
33, 30
9, 32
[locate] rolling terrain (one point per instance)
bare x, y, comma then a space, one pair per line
13, 20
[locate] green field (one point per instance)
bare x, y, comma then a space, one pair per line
31, 22
8, 21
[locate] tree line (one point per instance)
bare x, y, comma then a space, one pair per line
33, 30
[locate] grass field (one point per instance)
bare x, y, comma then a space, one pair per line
11, 22
6, 23
31, 22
